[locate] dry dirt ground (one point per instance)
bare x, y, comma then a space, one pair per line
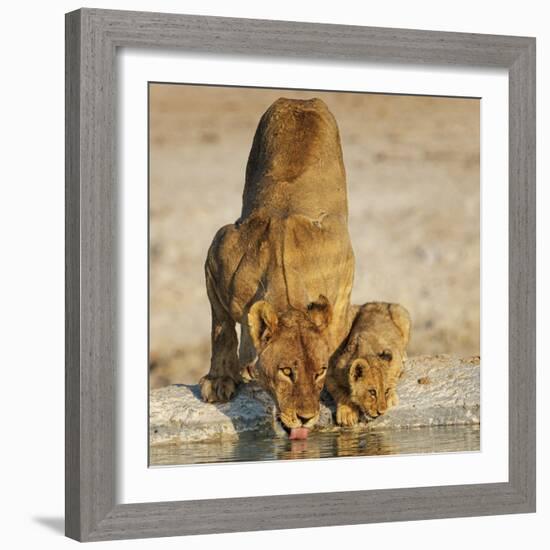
413, 185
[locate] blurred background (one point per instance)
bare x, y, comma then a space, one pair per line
414, 197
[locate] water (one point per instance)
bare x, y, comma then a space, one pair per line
250, 448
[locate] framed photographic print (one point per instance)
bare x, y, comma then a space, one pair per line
300, 275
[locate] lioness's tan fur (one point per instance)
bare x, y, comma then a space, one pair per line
290, 256
363, 374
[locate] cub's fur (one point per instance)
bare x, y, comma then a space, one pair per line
363, 374
284, 270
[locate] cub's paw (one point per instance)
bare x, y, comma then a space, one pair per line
392, 399
346, 415
217, 389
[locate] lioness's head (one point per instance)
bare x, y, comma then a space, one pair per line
293, 354
375, 356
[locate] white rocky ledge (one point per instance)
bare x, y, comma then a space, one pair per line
433, 391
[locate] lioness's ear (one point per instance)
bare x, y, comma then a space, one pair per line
358, 369
262, 323
402, 320
320, 312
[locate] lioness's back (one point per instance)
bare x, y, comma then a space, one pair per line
295, 164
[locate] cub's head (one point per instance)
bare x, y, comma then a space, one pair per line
370, 388
293, 354
376, 354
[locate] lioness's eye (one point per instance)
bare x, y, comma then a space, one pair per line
386, 355
287, 371
321, 373
373, 393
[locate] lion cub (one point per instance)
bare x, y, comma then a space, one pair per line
363, 373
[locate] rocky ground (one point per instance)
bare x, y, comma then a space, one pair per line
434, 391
413, 180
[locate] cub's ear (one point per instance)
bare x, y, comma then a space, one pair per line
358, 369
249, 371
320, 312
262, 323
402, 320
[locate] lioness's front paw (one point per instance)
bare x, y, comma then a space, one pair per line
346, 415
217, 389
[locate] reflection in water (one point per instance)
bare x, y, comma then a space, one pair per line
250, 448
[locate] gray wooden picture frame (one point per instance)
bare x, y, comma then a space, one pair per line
92, 39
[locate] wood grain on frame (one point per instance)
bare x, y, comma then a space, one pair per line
92, 37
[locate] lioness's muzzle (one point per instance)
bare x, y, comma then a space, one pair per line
293, 420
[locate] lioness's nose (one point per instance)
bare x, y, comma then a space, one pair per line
305, 419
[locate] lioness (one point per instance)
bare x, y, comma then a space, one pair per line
363, 374
284, 270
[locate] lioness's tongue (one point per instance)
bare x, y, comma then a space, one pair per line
298, 433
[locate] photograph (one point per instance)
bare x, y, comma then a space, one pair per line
314, 274
262, 249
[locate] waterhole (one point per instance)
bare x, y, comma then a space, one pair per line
249, 447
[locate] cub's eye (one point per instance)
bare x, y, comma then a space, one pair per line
373, 393
386, 355
287, 371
